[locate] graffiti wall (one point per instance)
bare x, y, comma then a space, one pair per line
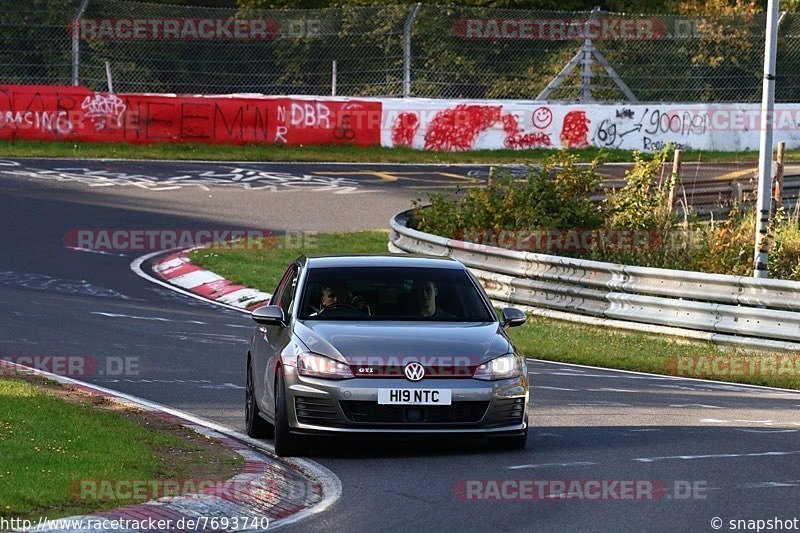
453, 125
76, 113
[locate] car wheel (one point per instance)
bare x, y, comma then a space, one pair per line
286, 443
256, 426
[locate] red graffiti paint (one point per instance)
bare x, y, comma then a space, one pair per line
516, 137
404, 129
53, 112
456, 129
575, 130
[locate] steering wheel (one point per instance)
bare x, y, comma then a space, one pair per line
340, 305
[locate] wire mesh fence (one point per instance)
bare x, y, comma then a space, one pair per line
410, 50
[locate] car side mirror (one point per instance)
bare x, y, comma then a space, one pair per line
513, 317
269, 315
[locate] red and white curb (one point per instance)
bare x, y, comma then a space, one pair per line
274, 492
178, 270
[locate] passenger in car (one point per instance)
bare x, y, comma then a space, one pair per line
424, 293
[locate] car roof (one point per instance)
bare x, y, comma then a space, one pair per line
383, 260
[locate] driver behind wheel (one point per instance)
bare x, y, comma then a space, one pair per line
331, 294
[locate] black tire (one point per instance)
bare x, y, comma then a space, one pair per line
286, 443
256, 426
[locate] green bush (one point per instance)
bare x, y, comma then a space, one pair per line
554, 195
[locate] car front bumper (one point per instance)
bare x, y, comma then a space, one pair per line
482, 408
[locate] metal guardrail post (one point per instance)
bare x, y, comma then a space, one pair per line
407, 49
76, 41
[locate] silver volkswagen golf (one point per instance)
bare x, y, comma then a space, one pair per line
389, 344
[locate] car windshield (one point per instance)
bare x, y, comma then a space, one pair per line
372, 293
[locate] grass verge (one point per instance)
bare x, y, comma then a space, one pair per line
53, 438
539, 338
326, 153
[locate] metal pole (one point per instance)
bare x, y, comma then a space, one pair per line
407, 50
763, 205
76, 41
108, 78
333, 78
588, 52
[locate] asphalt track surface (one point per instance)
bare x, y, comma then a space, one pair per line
736, 447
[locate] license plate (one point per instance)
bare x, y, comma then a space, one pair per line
414, 396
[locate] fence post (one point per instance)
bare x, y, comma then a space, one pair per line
108, 78
333, 78
588, 53
407, 49
76, 41
675, 178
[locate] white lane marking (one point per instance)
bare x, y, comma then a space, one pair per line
617, 390
643, 430
195, 279
573, 375
695, 406
331, 484
722, 384
600, 404
769, 430
553, 388
151, 318
548, 435
159, 381
89, 250
550, 465
714, 456
764, 485
222, 386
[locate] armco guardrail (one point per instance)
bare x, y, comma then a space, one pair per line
718, 304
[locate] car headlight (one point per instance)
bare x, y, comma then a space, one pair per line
503, 367
318, 366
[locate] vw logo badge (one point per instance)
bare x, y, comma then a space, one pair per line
414, 371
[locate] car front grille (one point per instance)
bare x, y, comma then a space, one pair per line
315, 410
407, 416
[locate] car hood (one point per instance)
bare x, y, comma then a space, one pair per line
356, 342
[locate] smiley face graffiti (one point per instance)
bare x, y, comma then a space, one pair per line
542, 117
